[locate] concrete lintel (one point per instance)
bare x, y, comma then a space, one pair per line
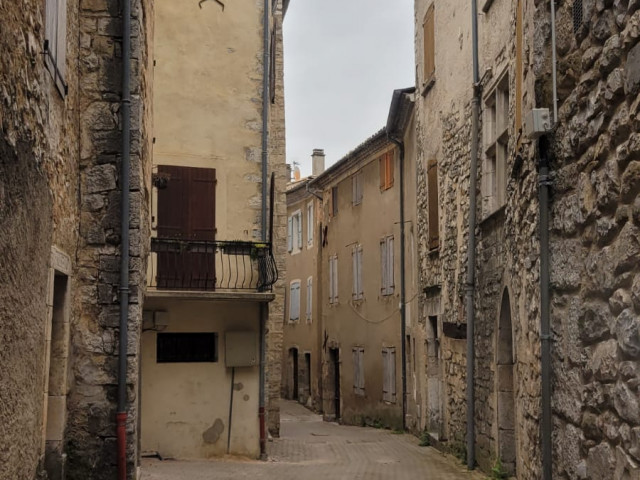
212, 296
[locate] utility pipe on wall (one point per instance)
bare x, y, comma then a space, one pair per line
471, 247
125, 109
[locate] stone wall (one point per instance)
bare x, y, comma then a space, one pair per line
38, 209
91, 443
595, 244
277, 165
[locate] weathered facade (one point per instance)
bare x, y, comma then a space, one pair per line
342, 355
215, 257
60, 182
594, 233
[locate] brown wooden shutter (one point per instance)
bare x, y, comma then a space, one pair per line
429, 43
172, 202
432, 186
390, 168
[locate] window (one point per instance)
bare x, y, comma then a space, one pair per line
428, 32
356, 255
356, 184
496, 137
386, 262
358, 370
389, 374
333, 279
334, 201
294, 232
294, 301
55, 45
309, 299
386, 170
187, 347
310, 224
433, 207
187, 211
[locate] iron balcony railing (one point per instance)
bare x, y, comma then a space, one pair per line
178, 264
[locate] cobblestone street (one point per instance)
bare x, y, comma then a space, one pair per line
311, 449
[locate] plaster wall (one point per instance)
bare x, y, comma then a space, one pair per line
185, 406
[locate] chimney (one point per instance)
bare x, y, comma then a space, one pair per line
296, 173
317, 161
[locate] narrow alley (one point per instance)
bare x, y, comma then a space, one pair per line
312, 449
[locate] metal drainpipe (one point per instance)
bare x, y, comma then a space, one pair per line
403, 295
121, 413
265, 158
471, 248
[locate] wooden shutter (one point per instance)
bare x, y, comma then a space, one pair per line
383, 266
390, 164
290, 234
309, 298
358, 370
310, 225
428, 31
433, 207
383, 172
390, 266
335, 279
385, 376
294, 302
391, 360
331, 273
299, 229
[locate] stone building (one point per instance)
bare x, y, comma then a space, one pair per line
343, 353
60, 235
592, 150
212, 314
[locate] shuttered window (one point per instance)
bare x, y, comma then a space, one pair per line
387, 166
386, 263
298, 222
56, 42
186, 211
358, 370
333, 279
356, 184
334, 201
433, 207
428, 29
389, 374
290, 234
310, 224
309, 299
294, 301
356, 256
294, 232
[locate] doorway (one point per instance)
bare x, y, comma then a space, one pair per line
334, 382
293, 369
504, 388
307, 368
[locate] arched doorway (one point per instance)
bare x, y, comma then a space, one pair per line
504, 387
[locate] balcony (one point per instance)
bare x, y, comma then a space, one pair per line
211, 269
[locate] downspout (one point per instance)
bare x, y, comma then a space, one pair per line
403, 294
121, 412
471, 248
265, 158
546, 427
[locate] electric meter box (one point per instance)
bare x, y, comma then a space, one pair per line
241, 349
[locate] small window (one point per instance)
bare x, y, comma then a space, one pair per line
358, 370
428, 32
294, 301
310, 224
496, 138
356, 255
356, 183
333, 279
55, 47
294, 232
309, 299
386, 262
187, 347
334, 201
386, 170
433, 207
389, 374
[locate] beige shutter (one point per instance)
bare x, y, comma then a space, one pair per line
385, 375
429, 44
390, 266
433, 208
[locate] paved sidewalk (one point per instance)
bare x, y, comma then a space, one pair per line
310, 449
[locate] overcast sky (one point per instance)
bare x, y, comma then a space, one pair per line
342, 61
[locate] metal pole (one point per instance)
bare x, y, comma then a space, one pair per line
125, 109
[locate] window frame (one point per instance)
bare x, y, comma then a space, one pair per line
294, 301
496, 123
164, 359
294, 232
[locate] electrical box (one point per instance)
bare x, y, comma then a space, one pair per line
241, 349
537, 122
161, 319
